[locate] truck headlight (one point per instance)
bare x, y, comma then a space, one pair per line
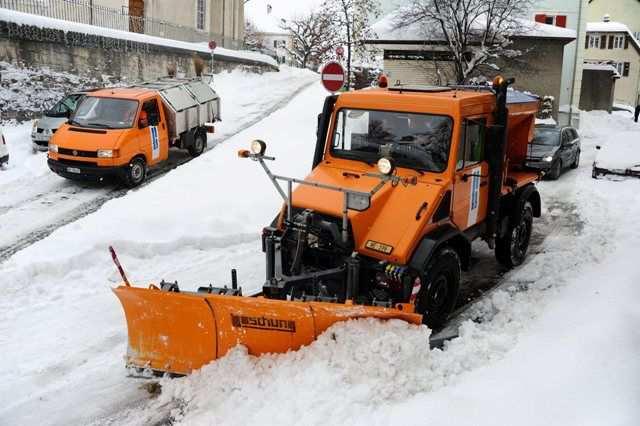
385, 166
107, 153
258, 147
53, 147
548, 159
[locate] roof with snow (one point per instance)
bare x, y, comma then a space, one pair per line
613, 27
387, 33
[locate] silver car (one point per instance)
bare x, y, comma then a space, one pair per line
52, 119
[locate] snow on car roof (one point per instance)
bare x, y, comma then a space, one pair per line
386, 30
620, 151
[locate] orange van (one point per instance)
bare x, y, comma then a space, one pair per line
122, 132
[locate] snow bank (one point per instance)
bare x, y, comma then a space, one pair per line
58, 24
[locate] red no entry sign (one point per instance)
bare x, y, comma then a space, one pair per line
333, 76
213, 45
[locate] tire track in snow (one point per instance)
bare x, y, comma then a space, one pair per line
91, 206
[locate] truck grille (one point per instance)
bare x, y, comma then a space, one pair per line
78, 153
77, 162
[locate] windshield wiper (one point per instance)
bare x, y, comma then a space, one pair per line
101, 125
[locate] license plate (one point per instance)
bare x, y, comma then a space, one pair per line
73, 170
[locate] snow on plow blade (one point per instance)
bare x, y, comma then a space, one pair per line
178, 332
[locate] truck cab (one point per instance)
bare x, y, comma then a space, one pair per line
124, 131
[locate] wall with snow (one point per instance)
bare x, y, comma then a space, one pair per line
97, 55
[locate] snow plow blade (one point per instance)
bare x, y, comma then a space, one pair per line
179, 332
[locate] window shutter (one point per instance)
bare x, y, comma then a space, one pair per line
541, 18
561, 21
586, 42
625, 70
603, 41
626, 42
611, 41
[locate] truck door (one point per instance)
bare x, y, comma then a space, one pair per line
471, 181
155, 140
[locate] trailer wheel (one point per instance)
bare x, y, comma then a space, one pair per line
136, 172
199, 144
440, 286
511, 250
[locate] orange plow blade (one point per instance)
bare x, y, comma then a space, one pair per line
178, 332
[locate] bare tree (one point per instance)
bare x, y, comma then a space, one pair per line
312, 37
475, 32
251, 38
352, 23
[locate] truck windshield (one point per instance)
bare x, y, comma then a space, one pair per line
417, 141
108, 113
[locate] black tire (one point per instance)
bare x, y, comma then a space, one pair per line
136, 172
199, 144
576, 162
511, 250
440, 286
555, 170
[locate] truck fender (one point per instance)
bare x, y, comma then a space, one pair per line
528, 193
432, 242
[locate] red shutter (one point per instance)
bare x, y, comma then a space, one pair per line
541, 18
603, 41
561, 21
625, 69
611, 41
626, 41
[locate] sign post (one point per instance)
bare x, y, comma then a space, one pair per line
212, 47
333, 76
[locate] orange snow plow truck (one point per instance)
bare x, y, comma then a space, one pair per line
403, 180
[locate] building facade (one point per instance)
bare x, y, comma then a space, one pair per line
409, 58
564, 14
613, 43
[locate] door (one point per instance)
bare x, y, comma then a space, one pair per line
154, 141
471, 181
136, 16
567, 147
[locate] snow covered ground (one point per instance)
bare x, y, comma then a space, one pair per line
34, 201
558, 345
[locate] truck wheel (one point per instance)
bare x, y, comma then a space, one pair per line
199, 144
556, 169
136, 172
511, 249
576, 162
440, 287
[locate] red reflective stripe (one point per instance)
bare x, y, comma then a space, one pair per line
541, 18
561, 21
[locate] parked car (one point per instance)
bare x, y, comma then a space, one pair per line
4, 151
619, 155
553, 149
52, 119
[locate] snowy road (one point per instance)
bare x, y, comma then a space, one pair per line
34, 202
63, 333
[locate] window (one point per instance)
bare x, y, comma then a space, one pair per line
618, 66
471, 149
618, 42
557, 20
418, 141
153, 114
201, 14
593, 41
105, 113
